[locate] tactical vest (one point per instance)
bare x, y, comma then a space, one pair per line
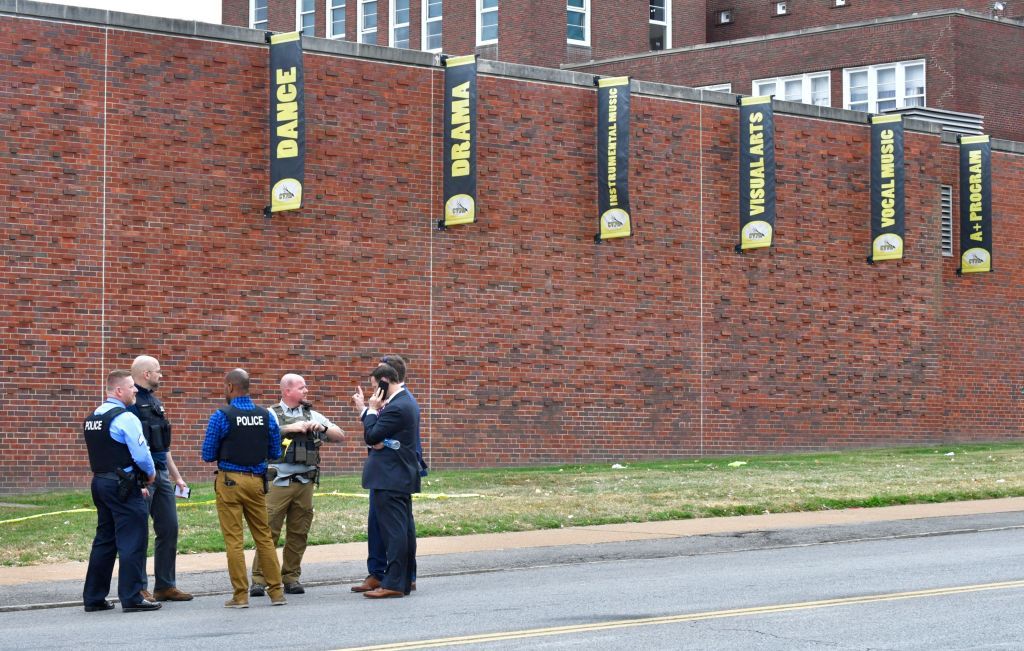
305, 447
105, 454
155, 426
248, 436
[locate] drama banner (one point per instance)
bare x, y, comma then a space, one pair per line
757, 173
287, 123
460, 141
975, 204
613, 158
886, 188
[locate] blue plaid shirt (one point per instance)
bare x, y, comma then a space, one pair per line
217, 429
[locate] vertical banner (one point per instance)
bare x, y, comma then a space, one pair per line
613, 158
887, 173
975, 204
460, 140
287, 123
757, 173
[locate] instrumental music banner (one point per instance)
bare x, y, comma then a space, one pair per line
757, 173
975, 204
287, 123
887, 183
613, 158
460, 140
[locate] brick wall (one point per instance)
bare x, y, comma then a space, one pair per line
966, 65
758, 17
528, 342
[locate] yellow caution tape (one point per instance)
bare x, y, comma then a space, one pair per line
40, 515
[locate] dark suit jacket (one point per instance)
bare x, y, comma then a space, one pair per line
387, 469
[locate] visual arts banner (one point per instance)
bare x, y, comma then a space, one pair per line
757, 173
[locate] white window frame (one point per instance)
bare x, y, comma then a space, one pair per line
586, 23
720, 88
361, 17
667, 24
480, 11
252, 16
807, 96
393, 26
299, 14
781, 8
332, 5
901, 84
425, 36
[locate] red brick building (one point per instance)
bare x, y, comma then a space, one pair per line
872, 56
136, 166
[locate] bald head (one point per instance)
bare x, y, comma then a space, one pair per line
238, 381
146, 372
293, 390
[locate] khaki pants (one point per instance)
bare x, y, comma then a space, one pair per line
293, 503
245, 498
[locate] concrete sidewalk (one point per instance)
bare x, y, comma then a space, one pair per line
352, 555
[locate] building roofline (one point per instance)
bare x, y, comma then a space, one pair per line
564, 76
809, 31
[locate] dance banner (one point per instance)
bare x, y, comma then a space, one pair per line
460, 141
975, 204
613, 158
757, 173
287, 123
887, 174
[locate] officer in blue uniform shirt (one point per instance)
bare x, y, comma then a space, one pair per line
117, 455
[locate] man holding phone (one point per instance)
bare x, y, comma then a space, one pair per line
392, 474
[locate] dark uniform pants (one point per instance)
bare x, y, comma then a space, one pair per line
122, 530
292, 504
164, 511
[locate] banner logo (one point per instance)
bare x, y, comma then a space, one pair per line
460, 141
287, 123
975, 204
613, 159
757, 173
887, 183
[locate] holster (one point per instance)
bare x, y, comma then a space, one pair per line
125, 483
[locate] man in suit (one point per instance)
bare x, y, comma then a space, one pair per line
392, 474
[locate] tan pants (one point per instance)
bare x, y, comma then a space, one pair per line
241, 495
293, 503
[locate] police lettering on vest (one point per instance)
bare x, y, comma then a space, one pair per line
105, 454
248, 436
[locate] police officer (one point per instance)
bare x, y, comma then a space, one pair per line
293, 477
240, 438
162, 507
117, 455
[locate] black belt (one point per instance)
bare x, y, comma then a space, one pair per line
244, 472
106, 475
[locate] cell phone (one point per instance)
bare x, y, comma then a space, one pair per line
383, 386
182, 494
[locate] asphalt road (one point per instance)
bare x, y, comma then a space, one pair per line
942, 583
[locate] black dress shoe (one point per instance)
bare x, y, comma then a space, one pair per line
257, 590
143, 606
106, 605
294, 588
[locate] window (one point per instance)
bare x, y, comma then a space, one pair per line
368, 22
577, 13
839, 3
721, 88
486, 22
335, 18
811, 88
946, 211
661, 24
400, 23
876, 89
724, 17
781, 8
432, 25
258, 14
305, 15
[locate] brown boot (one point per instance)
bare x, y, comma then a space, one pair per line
172, 594
369, 583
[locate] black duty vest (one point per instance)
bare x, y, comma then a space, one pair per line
105, 454
248, 436
305, 447
155, 426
